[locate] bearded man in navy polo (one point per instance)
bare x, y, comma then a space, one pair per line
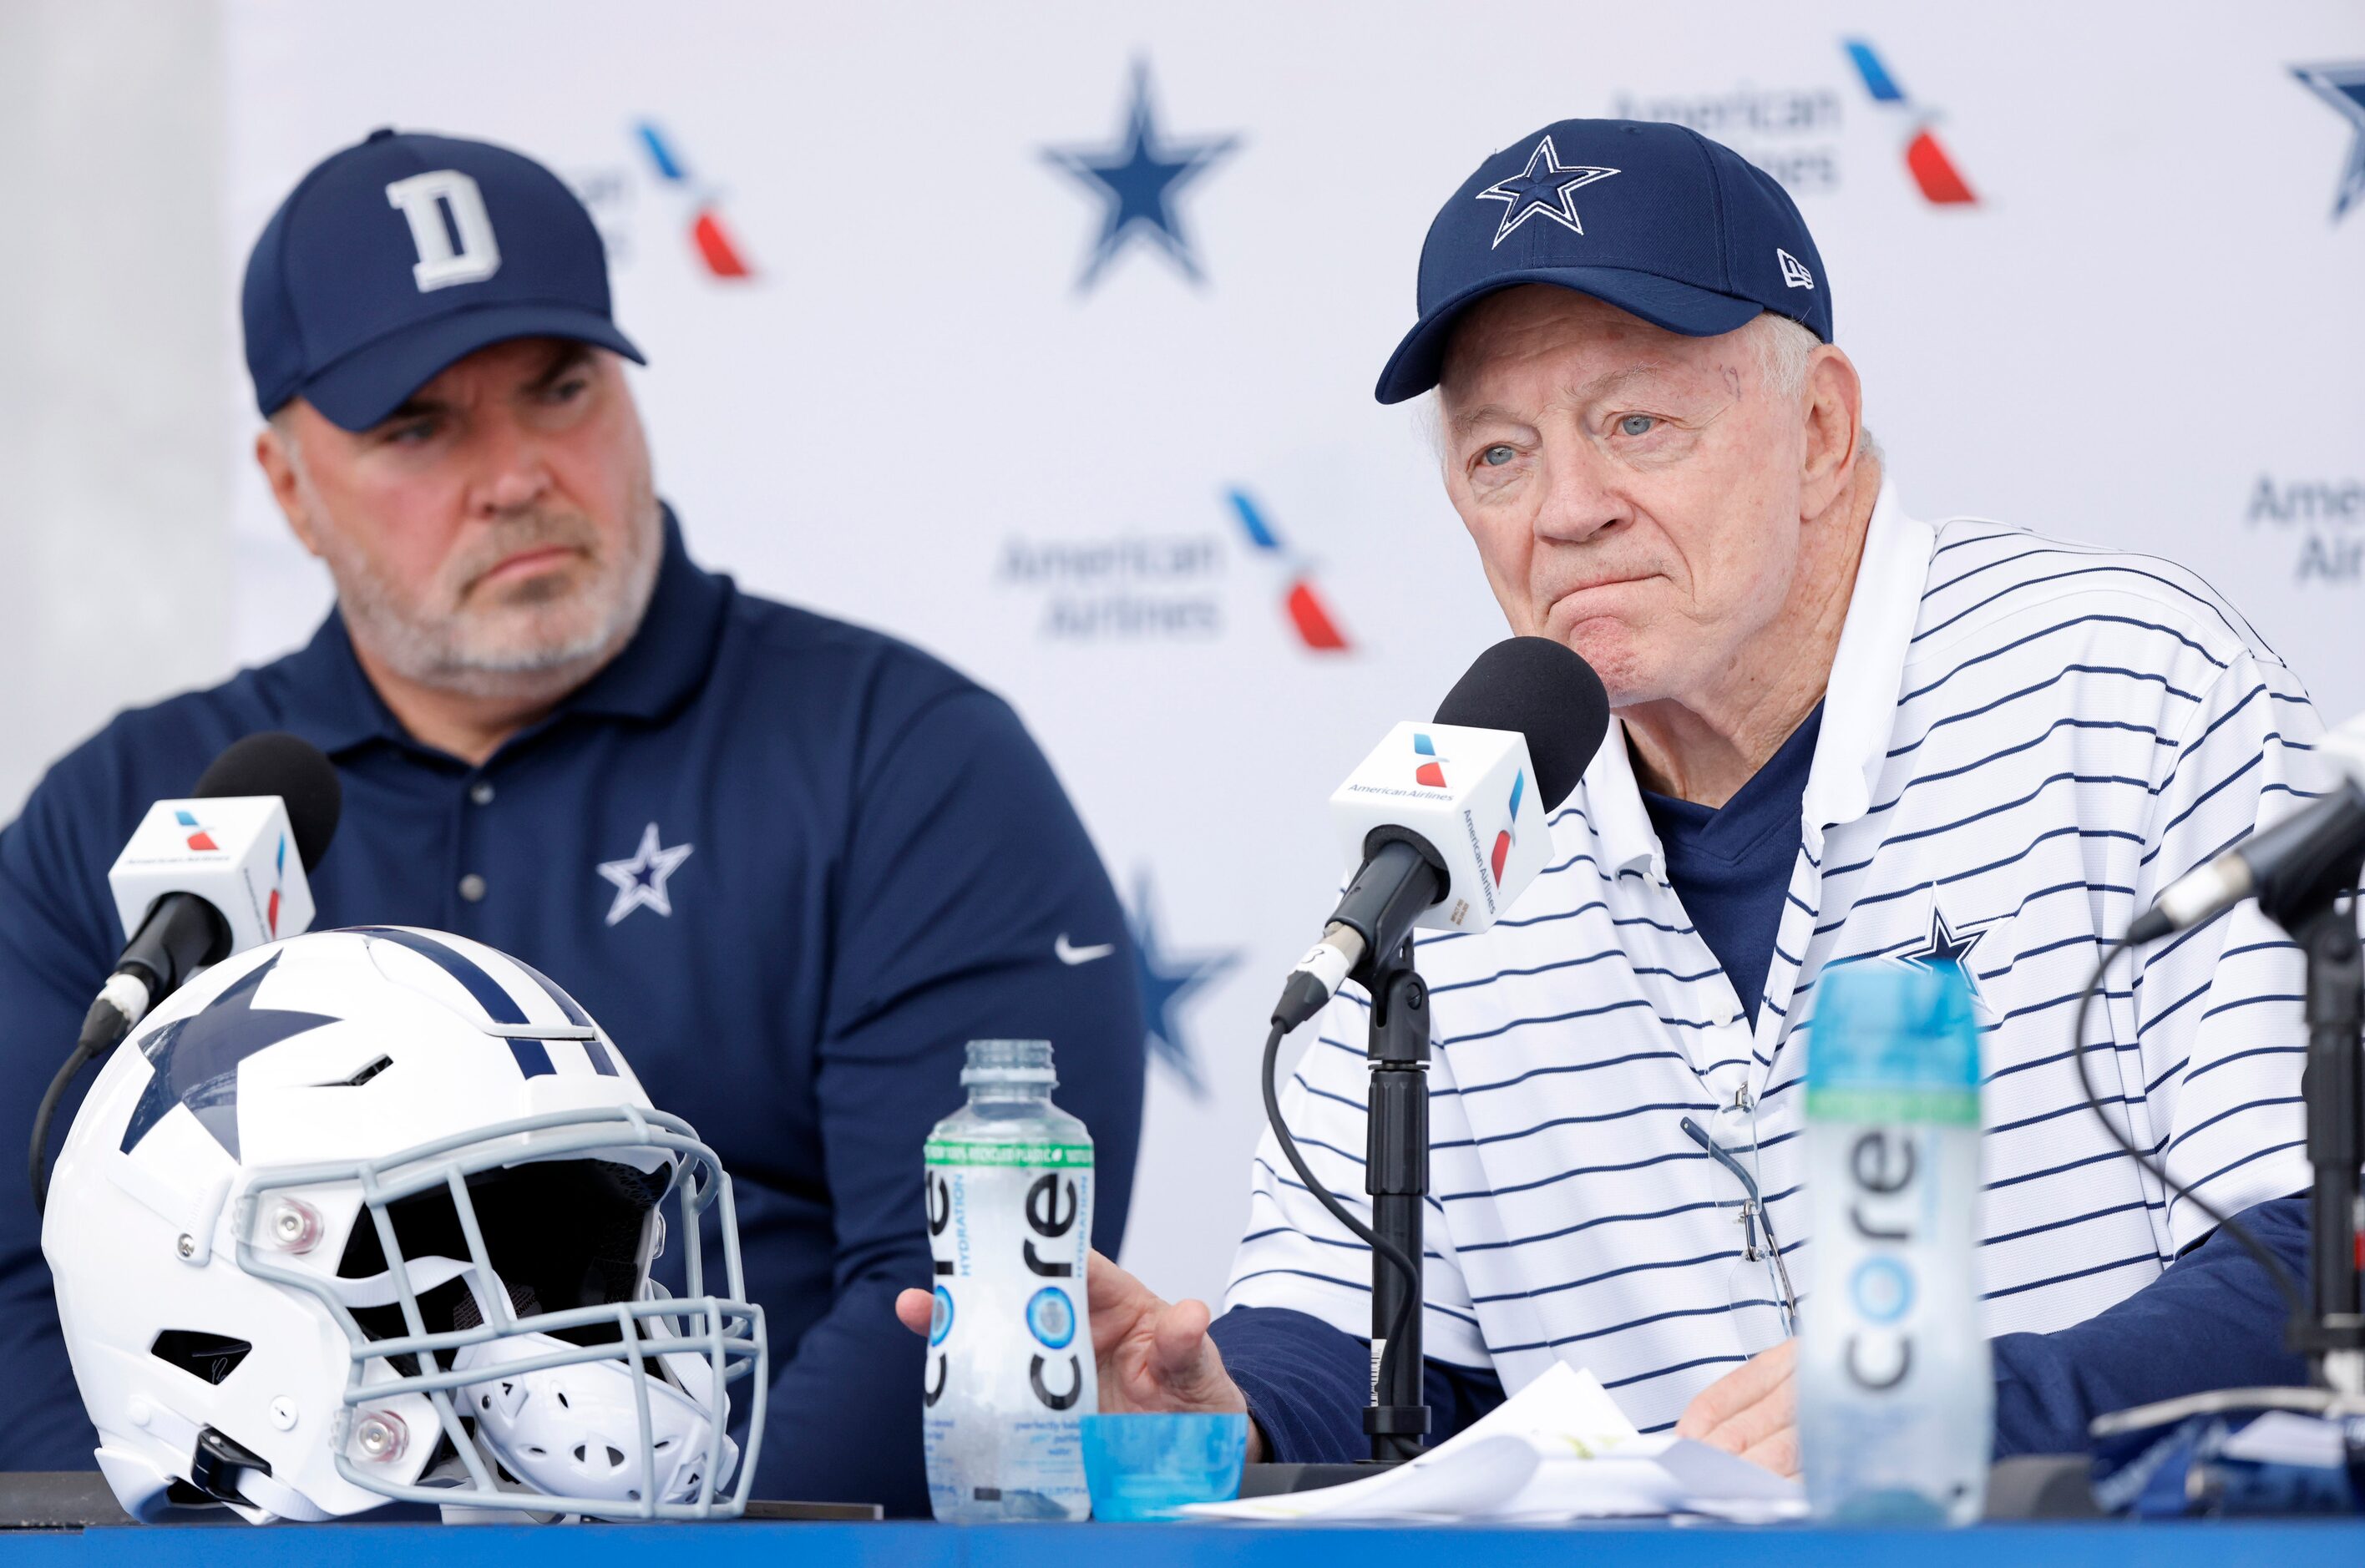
796, 865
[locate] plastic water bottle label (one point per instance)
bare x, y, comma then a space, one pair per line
1010, 1369
961, 1151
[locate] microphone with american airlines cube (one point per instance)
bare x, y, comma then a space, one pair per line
1447, 824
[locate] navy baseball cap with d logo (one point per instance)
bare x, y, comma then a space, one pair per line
394, 258
1652, 218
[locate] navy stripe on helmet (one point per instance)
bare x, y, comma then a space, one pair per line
602, 1062
498, 1004
567, 1004
532, 1057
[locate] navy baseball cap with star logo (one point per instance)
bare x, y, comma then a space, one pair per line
1652, 218
404, 253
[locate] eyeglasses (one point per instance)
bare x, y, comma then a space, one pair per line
1758, 1290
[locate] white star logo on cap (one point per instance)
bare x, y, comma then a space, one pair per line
1546, 185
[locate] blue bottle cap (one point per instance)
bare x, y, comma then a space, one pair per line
1893, 1042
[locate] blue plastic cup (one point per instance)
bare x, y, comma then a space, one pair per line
1147, 1467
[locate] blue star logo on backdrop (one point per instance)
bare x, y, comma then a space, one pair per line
1137, 180
1546, 186
640, 878
195, 1059
1167, 981
2343, 87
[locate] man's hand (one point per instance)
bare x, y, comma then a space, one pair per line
1752, 1411
1152, 1354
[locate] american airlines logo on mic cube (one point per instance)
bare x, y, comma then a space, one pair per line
233, 851
1472, 794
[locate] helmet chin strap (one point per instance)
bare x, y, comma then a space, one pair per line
573, 1430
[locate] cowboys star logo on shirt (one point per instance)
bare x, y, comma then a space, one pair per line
640, 876
1946, 945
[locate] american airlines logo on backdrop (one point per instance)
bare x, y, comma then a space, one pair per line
1794, 132
1926, 159
2323, 519
1174, 587
689, 224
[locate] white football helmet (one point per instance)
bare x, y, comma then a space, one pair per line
368, 1215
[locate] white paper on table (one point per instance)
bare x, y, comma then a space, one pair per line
1559, 1449
1454, 1480
2288, 1437
1659, 1474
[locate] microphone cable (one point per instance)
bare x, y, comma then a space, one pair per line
102, 1030
1408, 1299
2287, 1287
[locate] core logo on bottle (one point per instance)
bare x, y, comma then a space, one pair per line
940, 1320
1051, 1318
1053, 1205
940, 1323
1883, 1167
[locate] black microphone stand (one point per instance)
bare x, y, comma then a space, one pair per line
2329, 1326
2332, 1331
1396, 1174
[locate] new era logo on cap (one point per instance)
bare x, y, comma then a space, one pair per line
1671, 226
396, 257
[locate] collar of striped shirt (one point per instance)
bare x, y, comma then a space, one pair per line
2022, 741
1859, 704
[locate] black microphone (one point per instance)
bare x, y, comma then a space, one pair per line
2293, 869
183, 930
1532, 692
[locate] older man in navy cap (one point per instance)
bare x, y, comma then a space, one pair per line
1843, 735
794, 864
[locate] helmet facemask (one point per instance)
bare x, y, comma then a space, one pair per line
495, 1287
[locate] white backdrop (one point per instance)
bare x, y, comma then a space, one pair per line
2145, 330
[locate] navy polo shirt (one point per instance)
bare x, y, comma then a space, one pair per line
791, 866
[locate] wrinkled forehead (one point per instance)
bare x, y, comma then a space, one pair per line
1540, 336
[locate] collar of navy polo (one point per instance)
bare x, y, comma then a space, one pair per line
330, 700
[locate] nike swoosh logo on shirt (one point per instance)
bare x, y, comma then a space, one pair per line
1072, 954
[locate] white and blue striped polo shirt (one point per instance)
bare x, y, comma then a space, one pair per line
2023, 741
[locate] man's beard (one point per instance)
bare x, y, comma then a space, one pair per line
540, 639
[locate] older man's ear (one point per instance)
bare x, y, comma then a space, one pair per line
1835, 416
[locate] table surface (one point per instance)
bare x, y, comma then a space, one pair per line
2203, 1544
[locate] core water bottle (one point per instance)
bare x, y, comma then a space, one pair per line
1010, 1370
1896, 1397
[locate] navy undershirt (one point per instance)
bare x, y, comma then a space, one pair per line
1731, 864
